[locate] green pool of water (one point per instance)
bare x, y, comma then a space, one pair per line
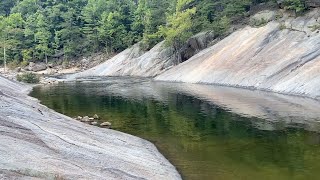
206, 132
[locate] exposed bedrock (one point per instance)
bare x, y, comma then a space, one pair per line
281, 57
36, 142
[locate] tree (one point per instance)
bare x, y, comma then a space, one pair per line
179, 26
11, 35
112, 33
296, 5
91, 15
26, 7
42, 37
5, 6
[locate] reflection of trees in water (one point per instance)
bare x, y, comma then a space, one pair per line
196, 128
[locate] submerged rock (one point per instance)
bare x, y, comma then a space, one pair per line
94, 123
106, 124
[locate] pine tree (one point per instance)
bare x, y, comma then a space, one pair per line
42, 37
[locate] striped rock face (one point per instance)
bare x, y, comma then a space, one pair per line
285, 60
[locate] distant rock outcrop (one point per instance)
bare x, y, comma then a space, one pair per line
136, 62
283, 56
133, 62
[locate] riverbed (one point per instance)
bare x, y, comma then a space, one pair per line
207, 132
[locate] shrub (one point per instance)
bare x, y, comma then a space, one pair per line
13, 64
282, 26
297, 5
24, 63
28, 78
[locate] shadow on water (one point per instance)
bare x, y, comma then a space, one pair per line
207, 132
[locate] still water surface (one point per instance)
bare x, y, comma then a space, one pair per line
207, 132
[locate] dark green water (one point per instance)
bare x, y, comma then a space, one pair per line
206, 132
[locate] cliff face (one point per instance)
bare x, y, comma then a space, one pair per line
135, 62
281, 57
38, 143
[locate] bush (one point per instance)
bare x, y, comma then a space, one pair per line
28, 78
297, 5
13, 64
24, 63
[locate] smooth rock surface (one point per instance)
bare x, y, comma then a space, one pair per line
268, 58
36, 142
133, 62
136, 62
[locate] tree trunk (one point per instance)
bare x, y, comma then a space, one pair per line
4, 59
46, 59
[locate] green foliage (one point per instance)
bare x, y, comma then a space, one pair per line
28, 78
179, 24
42, 37
37, 30
296, 5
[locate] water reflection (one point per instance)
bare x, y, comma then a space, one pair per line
207, 132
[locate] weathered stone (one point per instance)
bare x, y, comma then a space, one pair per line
18, 69
85, 119
96, 116
38, 143
94, 123
263, 17
106, 124
35, 67
269, 58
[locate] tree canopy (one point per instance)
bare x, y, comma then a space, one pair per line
34, 30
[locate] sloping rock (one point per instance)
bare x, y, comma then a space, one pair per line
35, 67
133, 62
36, 142
268, 58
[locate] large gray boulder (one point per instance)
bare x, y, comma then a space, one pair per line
35, 67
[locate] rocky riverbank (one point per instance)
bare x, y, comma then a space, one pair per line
277, 52
282, 56
36, 142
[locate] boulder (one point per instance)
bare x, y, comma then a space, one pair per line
196, 43
94, 123
86, 119
18, 69
35, 67
96, 116
263, 17
106, 124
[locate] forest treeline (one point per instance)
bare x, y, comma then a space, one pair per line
35, 30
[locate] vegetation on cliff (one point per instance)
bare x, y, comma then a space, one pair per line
37, 30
